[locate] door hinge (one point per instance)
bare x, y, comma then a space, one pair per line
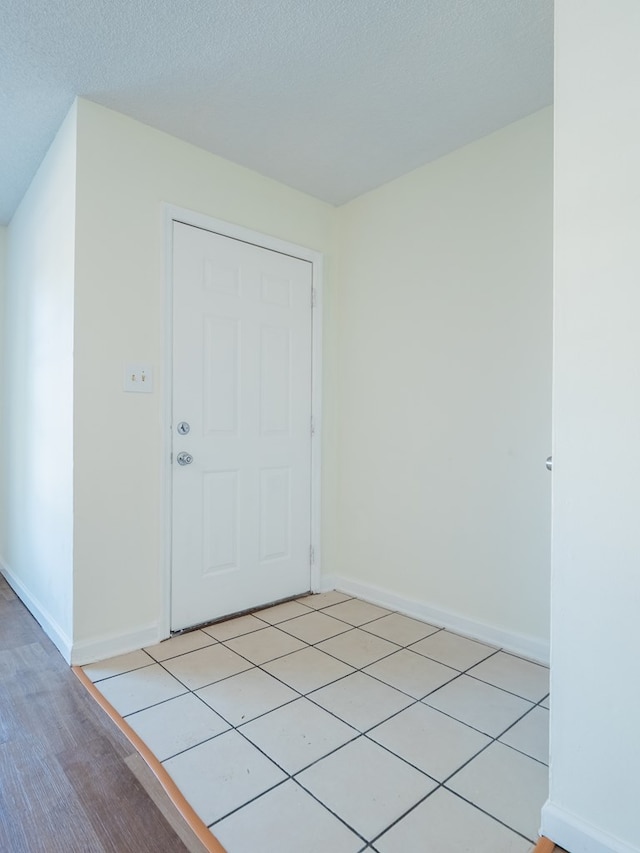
313, 297
312, 555
313, 426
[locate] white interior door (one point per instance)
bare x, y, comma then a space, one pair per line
241, 530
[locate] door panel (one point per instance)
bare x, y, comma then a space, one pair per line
241, 530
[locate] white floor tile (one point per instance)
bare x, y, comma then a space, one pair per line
431, 741
204, 666
366, 786
412, 673
234, 627
117, 665
307, 669
356, 612
222, 774
480, 705
133, 691
179, 645
453, 650
324, 599
358, 648
444, 823
265, 645
508, 785
297, 734
281, 612
400, 629
314, 627
245, 696
176, 725
522, 677
531, 735
285, 820
361, 701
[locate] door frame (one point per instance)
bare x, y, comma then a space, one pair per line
172, 214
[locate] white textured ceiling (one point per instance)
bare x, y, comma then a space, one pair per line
333, 97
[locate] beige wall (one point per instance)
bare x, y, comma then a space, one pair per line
126, 171
37, 438
443, 283
436, 374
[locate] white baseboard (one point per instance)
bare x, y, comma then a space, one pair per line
519, 644
578, 835
49, 625
112, 644
85, 651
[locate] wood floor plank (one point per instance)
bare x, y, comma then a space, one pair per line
65, 785
133, 827
38, 807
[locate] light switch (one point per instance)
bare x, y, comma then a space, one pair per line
138, 377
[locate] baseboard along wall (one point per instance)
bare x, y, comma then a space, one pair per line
519, 644
85, 651
573, 833
40, 613
108, 645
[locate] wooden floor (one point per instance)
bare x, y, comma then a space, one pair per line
70, 782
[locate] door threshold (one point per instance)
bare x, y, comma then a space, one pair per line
239, 613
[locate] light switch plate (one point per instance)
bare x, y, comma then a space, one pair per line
138, 377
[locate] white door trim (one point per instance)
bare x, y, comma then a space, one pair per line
266, 241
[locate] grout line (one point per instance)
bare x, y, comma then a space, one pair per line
420, 698
494, 740
162, 702
370, 728
456, 719
152, 660
187, 811
515, 722
525, 754
182, 654
306, 766
451, 666
488, 814
292, 777
504, 690
402, 816
325, 806
405, 761
218, 820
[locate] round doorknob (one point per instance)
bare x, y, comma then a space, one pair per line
184, 458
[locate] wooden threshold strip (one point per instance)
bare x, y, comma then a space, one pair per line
545, 846
198, 827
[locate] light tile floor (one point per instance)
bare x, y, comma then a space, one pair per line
331, 724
